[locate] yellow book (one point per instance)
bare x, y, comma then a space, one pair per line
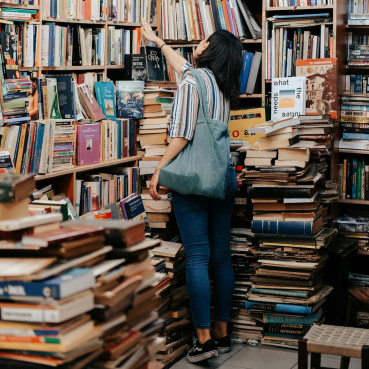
18, 164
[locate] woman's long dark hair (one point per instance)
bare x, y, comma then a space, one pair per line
223, 57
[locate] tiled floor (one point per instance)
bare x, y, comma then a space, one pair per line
260, 357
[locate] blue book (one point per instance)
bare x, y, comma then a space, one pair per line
289, 319
131, 137
355, 136
119, 138
279, 308
358, 84
73, 281
38, 148
135, 209
245, 71
354, 179
105, 96
306, 228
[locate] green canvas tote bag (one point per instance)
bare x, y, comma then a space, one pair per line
201, 168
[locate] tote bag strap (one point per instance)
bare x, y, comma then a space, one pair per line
201, 89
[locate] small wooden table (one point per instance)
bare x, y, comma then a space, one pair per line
346, 342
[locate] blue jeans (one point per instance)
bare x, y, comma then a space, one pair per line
205, 226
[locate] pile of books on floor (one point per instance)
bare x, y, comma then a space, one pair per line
169, 260
356, 227
354, 121
153, 137
56, 276
245, 326
288, 223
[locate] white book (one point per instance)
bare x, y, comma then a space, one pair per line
288, 97
31, 221
44, 45
254, 72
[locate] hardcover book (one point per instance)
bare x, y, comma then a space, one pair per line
321, 85
154, 63
88, 144
130, 99
241, 121
105, 95
135, 67
288, 97
89, 103
8, 42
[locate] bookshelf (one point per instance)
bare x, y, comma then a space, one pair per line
41, 20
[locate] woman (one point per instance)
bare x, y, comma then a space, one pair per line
204, 223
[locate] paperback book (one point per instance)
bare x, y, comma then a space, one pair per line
130, 99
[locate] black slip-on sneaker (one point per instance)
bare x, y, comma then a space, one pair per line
223, 344
200, 352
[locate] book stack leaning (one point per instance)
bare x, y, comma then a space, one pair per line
288, 288
153, 136
169, 261
75, 292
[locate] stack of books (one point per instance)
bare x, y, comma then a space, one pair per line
355, 227
288, 223
357, 46
132, 11
354, 121
174, 308
126, 304
245, 326
22, 15
153, 137
122, 42
357, 14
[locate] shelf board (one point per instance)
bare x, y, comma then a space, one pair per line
19, 6
127, 24
357, 66
115, 66
356, 26
348, 151
309, 7
79, 21
86, 168
252, 41
75, 67
354, 202
251, 96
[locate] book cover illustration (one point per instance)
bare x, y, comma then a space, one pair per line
8, 41
154, 63
130, 99
288, 97
135, 67
105, 95
321, 85
88, 143
241, 121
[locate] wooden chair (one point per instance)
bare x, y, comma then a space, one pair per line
346, 342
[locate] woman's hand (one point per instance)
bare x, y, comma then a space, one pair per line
154, 185
148, 33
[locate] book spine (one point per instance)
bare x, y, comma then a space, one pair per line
280, 308
278, 292
344, 178
282, 227
366, 182
294, 329
359, 179
20, 314
354, 179
349, 179
285, 319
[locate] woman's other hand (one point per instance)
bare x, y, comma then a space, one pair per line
154, 185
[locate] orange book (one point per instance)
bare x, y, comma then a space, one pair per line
87, 13
32, 145
138, 44
321, 85
226, 16
18, 164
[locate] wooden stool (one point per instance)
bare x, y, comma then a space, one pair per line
358, 301
346, 342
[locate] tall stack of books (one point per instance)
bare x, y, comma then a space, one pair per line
153, 137
245, 326
126, 305
287, 220
174, 310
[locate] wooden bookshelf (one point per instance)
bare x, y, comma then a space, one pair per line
87, 168
354, 202
302, 8
356, 152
